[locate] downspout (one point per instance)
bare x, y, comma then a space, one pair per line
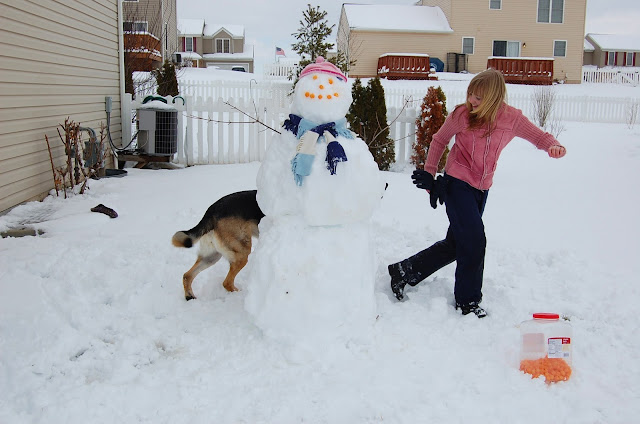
121, 62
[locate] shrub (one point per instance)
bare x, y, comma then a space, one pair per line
167, 79
433, 113
367, 117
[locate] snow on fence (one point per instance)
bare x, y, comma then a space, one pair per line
214, 130
279, 71
611, 76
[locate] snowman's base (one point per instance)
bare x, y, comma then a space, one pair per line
312, 285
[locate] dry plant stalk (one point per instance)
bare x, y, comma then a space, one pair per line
74, 150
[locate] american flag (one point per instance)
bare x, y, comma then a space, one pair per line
279, 52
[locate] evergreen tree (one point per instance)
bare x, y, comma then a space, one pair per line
367, 117
433, 113
167, 79
312, 33
311, 37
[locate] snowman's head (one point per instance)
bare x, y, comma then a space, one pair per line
322, 93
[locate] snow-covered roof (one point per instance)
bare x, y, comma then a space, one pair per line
615, 42
588, 47
191, 26
198, 27
213, 29
190, 56
397, 18
229, 56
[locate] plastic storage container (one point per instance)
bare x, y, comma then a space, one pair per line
546, 347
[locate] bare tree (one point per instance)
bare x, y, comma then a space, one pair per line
543, 100
148, 39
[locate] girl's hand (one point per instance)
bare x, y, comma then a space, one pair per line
557, 151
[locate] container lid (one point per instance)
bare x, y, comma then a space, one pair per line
545, 315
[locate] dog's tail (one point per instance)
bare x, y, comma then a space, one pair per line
182, 239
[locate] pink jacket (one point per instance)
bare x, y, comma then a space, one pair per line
473, 158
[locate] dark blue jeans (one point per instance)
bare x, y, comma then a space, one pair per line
465, 243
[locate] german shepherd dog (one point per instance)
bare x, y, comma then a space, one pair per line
224, 230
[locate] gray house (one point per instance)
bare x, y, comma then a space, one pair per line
56, 63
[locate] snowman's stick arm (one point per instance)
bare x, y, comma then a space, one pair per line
256, 120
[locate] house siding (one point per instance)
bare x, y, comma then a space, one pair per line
516, 21
156, 13
57, 61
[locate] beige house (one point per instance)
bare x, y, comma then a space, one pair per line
205, 45
150, 32
609, 50
56, 63
475, 30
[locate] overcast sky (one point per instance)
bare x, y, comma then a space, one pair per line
270, 23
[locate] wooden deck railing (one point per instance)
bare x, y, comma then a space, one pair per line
523, 70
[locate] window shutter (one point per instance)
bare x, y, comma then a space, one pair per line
194, 44
184, 44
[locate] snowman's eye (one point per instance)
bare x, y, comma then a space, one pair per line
336, 94
330, 81
315, 77
306, 94
321, 87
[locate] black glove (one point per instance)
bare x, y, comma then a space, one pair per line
438, 192
424, 180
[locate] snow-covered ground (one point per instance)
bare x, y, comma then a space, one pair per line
94, 327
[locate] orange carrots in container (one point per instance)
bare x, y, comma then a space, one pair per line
553, 369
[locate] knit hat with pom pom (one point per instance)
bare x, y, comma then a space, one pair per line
323, 66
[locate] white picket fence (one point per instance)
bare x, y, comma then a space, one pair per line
234, 121
612, 76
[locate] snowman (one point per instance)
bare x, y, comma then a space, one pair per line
313, 269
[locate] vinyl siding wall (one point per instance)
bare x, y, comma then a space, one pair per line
58, 60
516, 21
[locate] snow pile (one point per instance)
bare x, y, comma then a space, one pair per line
94, 327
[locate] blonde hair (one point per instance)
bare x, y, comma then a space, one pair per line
490, 86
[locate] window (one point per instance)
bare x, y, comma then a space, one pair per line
223, 45
560, 48
189, 44
506, 48
551, 11
468, 44
629, 59
134, 26
495, 4
611, 58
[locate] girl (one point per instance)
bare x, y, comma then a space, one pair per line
482, 127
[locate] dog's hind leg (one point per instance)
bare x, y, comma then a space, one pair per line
240, 261
202, 263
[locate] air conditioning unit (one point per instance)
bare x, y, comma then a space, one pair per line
158, 131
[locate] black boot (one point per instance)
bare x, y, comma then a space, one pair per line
397, 283
472, 307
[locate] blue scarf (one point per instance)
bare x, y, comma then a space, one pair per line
301, 163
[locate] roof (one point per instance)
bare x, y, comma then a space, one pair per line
615, 42
588, 47
190, 26
198, 27
397, 18
236, 31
